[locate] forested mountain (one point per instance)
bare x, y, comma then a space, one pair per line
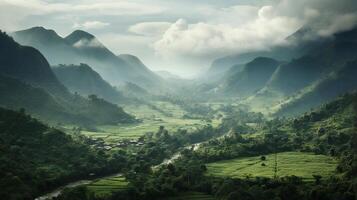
85, 81
319, 62
82, 47
326, 89
253, 77
29, 82
27, 64
311, 65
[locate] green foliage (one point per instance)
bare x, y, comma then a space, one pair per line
304, 165
36, 158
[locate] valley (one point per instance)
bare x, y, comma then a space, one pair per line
151, 119
270, 116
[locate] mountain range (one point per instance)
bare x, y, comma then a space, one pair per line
27, 81
82, 47
311, 72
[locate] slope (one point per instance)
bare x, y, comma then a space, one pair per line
253, 77
85, 81
337, 83
82, 47
26, 66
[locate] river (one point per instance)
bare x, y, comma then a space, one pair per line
58, 191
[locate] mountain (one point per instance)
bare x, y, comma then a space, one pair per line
82, 47
27, 81
133, 91
298, 44
318, 63
337, 83
85, 81
253, 77
27, 64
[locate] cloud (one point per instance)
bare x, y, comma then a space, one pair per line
212, 40
83, 43
255, 27
91, 25
105, 7
149, 28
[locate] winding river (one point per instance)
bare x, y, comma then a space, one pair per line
58, 191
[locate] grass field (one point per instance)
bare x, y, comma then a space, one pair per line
192, 196
105, 187
300, 164
152, 119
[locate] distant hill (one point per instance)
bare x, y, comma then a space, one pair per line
132, 90
301, 72
253, 77
337, 83
82, 47
85, 81
29, 82
300, 43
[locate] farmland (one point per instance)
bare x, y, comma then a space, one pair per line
160, 114
299, 164
105, 187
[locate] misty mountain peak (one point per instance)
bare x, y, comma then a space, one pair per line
78, 35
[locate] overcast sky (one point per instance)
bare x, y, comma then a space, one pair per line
180, 35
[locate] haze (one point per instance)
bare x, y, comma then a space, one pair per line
183, 37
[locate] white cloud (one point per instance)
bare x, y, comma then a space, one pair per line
91, 25
340, 23
205, 39
149, 28
105, 7
88, 43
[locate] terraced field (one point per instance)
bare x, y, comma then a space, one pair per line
152, 120
105, 187
300, 164
192, 196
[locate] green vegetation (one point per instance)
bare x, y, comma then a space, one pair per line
151, 119
303, 165
36, 158
191, 196
105, 187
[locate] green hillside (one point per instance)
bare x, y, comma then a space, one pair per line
82, 79
36, 158
253, 77
337, 83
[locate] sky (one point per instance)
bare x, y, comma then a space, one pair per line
182, 36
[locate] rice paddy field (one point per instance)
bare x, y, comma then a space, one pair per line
300, 164
152, 119
105, 187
